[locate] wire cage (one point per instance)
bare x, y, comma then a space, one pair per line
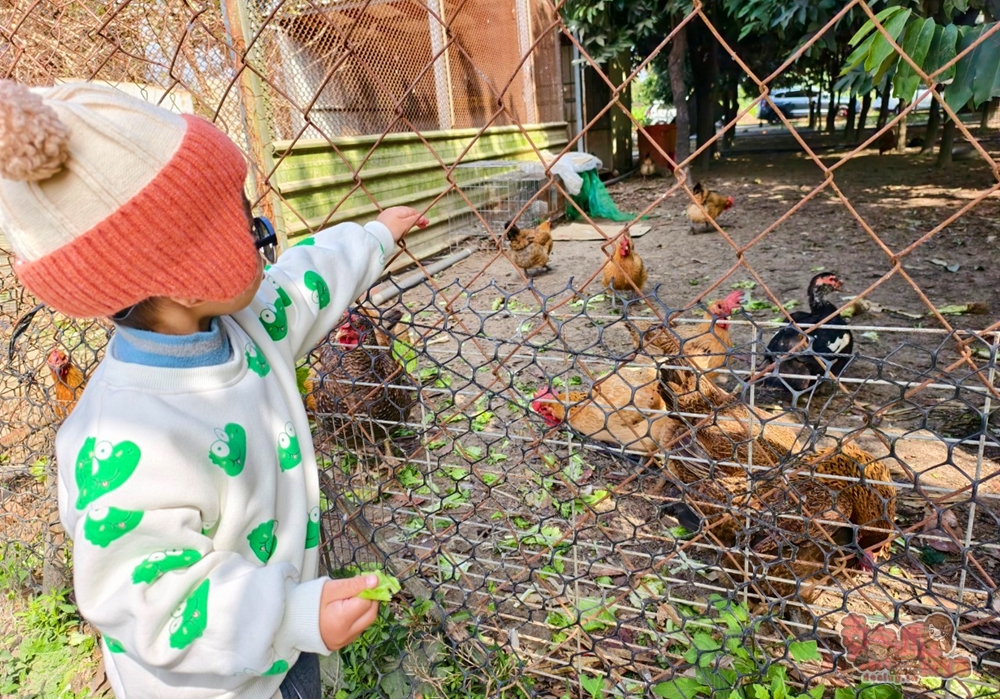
500, 191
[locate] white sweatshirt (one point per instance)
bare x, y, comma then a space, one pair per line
192, 495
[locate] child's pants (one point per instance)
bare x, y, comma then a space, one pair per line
303, 680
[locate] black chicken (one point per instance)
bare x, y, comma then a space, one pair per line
829, 347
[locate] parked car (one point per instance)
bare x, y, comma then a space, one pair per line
922, 106
794, 103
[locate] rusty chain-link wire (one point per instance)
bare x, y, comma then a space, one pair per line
568, 489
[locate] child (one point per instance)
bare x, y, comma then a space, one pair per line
187, 478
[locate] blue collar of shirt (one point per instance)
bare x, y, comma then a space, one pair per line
173, 351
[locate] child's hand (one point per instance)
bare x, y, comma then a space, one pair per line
343, 616
400, 219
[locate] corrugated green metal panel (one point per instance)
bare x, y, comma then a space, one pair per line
301, 166
314, 179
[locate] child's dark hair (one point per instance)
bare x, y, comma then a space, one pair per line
141, 316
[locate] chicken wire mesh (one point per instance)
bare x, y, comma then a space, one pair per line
581, 490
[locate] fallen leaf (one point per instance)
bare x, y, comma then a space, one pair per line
870, 335
936, 530
930, 556
457, 632
958, 309
665, 612
905, 314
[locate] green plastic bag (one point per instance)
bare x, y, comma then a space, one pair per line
595, 200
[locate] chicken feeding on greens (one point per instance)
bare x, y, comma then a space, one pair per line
68, 379
800, 514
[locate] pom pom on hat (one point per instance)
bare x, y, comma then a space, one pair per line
106, 200
33, 142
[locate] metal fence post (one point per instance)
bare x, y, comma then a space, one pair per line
255, 123
442, 72
527, 68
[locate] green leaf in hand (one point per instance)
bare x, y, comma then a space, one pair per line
387, 587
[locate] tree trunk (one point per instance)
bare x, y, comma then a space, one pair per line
933, 126
901, 130
991, 114
831, 113
621, 126
705, 66
850, 132
883, 109
675, 66
866, 105
813, 111
732, 109
947, 143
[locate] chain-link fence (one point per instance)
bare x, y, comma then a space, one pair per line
584, 491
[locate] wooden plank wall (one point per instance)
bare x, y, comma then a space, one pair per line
313, 179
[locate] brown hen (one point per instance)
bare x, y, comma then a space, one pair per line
69, 382
711, 205
634, 408
625, 271
619, 409
530, 247
811, 518
359, 390
811, 526
705, 345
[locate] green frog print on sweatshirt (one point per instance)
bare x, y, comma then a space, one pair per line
320, 291
279, 667
289, 455
275, 321
283, 296
312, 529
229, 451
101, 467
256, 360
263, 540
156, 564
105, 525
114, 645
190, 619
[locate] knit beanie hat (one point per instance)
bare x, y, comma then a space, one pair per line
107, 200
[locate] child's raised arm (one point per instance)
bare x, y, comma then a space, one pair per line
307, 291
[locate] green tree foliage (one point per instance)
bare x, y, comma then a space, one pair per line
606, 28
931, 42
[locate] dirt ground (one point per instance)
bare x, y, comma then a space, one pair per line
899, 197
